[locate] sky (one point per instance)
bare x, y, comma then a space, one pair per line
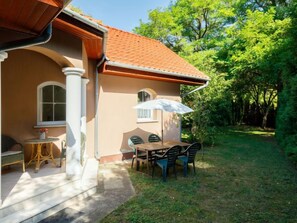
121, 14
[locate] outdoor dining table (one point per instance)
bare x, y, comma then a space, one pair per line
39, 156
154, 147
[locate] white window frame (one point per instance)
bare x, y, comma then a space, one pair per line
39, 104
147, 119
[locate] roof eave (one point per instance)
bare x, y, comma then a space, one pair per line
122, 69
24, 22
92, 34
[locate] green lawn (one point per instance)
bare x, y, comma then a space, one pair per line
243, 178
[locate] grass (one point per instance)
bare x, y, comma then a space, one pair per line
243, 178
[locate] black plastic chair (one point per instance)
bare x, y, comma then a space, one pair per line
188, 156
132, 142
166, 161
154, 138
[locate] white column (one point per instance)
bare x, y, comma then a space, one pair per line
73, 115
83, 127
3, 56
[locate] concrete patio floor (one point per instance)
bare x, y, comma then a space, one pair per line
113, 187
17, 185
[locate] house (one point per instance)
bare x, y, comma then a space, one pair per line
80, 80
136, 69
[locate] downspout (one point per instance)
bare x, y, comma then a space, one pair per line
196, 89
43, 38
103, 58
96, 127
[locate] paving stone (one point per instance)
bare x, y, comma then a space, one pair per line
64, 216
114, 189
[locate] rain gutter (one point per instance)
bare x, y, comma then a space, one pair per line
85, 20
43, 38
128, 66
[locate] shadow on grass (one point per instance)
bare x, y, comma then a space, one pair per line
243, 178
252, 131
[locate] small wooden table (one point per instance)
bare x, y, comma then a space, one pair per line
156, 146
39, 157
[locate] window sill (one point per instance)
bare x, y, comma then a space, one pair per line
49, 126
147, 121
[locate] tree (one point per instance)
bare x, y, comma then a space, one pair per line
75, 9
191, 28
248, 54
188, 22
216, 97
286, 131
248, 48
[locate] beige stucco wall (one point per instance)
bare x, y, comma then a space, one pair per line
118, 119
67, 45
91, 109
25, 69
22, 72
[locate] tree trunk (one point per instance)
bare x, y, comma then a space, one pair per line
264, 120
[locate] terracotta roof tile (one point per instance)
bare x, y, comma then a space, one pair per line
142, 53
139, 51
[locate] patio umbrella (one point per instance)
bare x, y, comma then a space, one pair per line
164, 105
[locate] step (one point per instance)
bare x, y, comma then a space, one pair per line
45, 204
47, 201
50, 209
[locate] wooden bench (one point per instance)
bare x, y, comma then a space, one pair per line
12, 152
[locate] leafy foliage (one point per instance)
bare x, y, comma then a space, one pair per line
212, 105
76, 9
248, 54
286, 131
186, 23
247, 47
190, 28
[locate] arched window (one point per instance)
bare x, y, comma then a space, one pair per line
144, 114
51, 103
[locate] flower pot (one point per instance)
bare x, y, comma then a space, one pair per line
42, 135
